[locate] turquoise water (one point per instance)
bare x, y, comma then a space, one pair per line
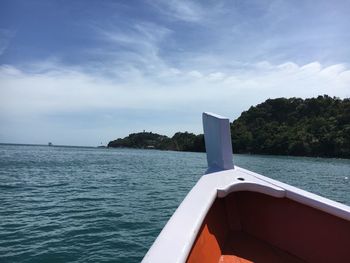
61, 204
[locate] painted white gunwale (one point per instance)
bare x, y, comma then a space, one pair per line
176, 239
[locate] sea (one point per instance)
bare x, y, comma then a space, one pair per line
71, 204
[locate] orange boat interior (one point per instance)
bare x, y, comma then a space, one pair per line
252, 227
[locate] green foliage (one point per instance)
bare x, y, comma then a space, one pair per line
138, 140
181, 141
311, 127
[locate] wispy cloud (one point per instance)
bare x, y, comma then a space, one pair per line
35, 97
133, 49
5, 38
178, 57
189, 11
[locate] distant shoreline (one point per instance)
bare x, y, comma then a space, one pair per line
129, 148
45, 145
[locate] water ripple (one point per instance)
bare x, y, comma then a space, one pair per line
107, 205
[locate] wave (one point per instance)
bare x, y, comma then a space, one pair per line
10, 186
49, 185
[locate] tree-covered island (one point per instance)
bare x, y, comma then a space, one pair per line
181, 141
303, 127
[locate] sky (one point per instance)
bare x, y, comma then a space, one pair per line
87, 72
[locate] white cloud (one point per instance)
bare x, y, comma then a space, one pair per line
216, 76
66, 90
312, 68
180, 9
184, 57
29, 99
195, 73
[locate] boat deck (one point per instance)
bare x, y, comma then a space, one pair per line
244, 248
252, 227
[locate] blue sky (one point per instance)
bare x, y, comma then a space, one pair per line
86, 72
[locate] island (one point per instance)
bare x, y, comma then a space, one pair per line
282, 126
181, 141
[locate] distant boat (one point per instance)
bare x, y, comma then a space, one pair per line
235, 215
49, 144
